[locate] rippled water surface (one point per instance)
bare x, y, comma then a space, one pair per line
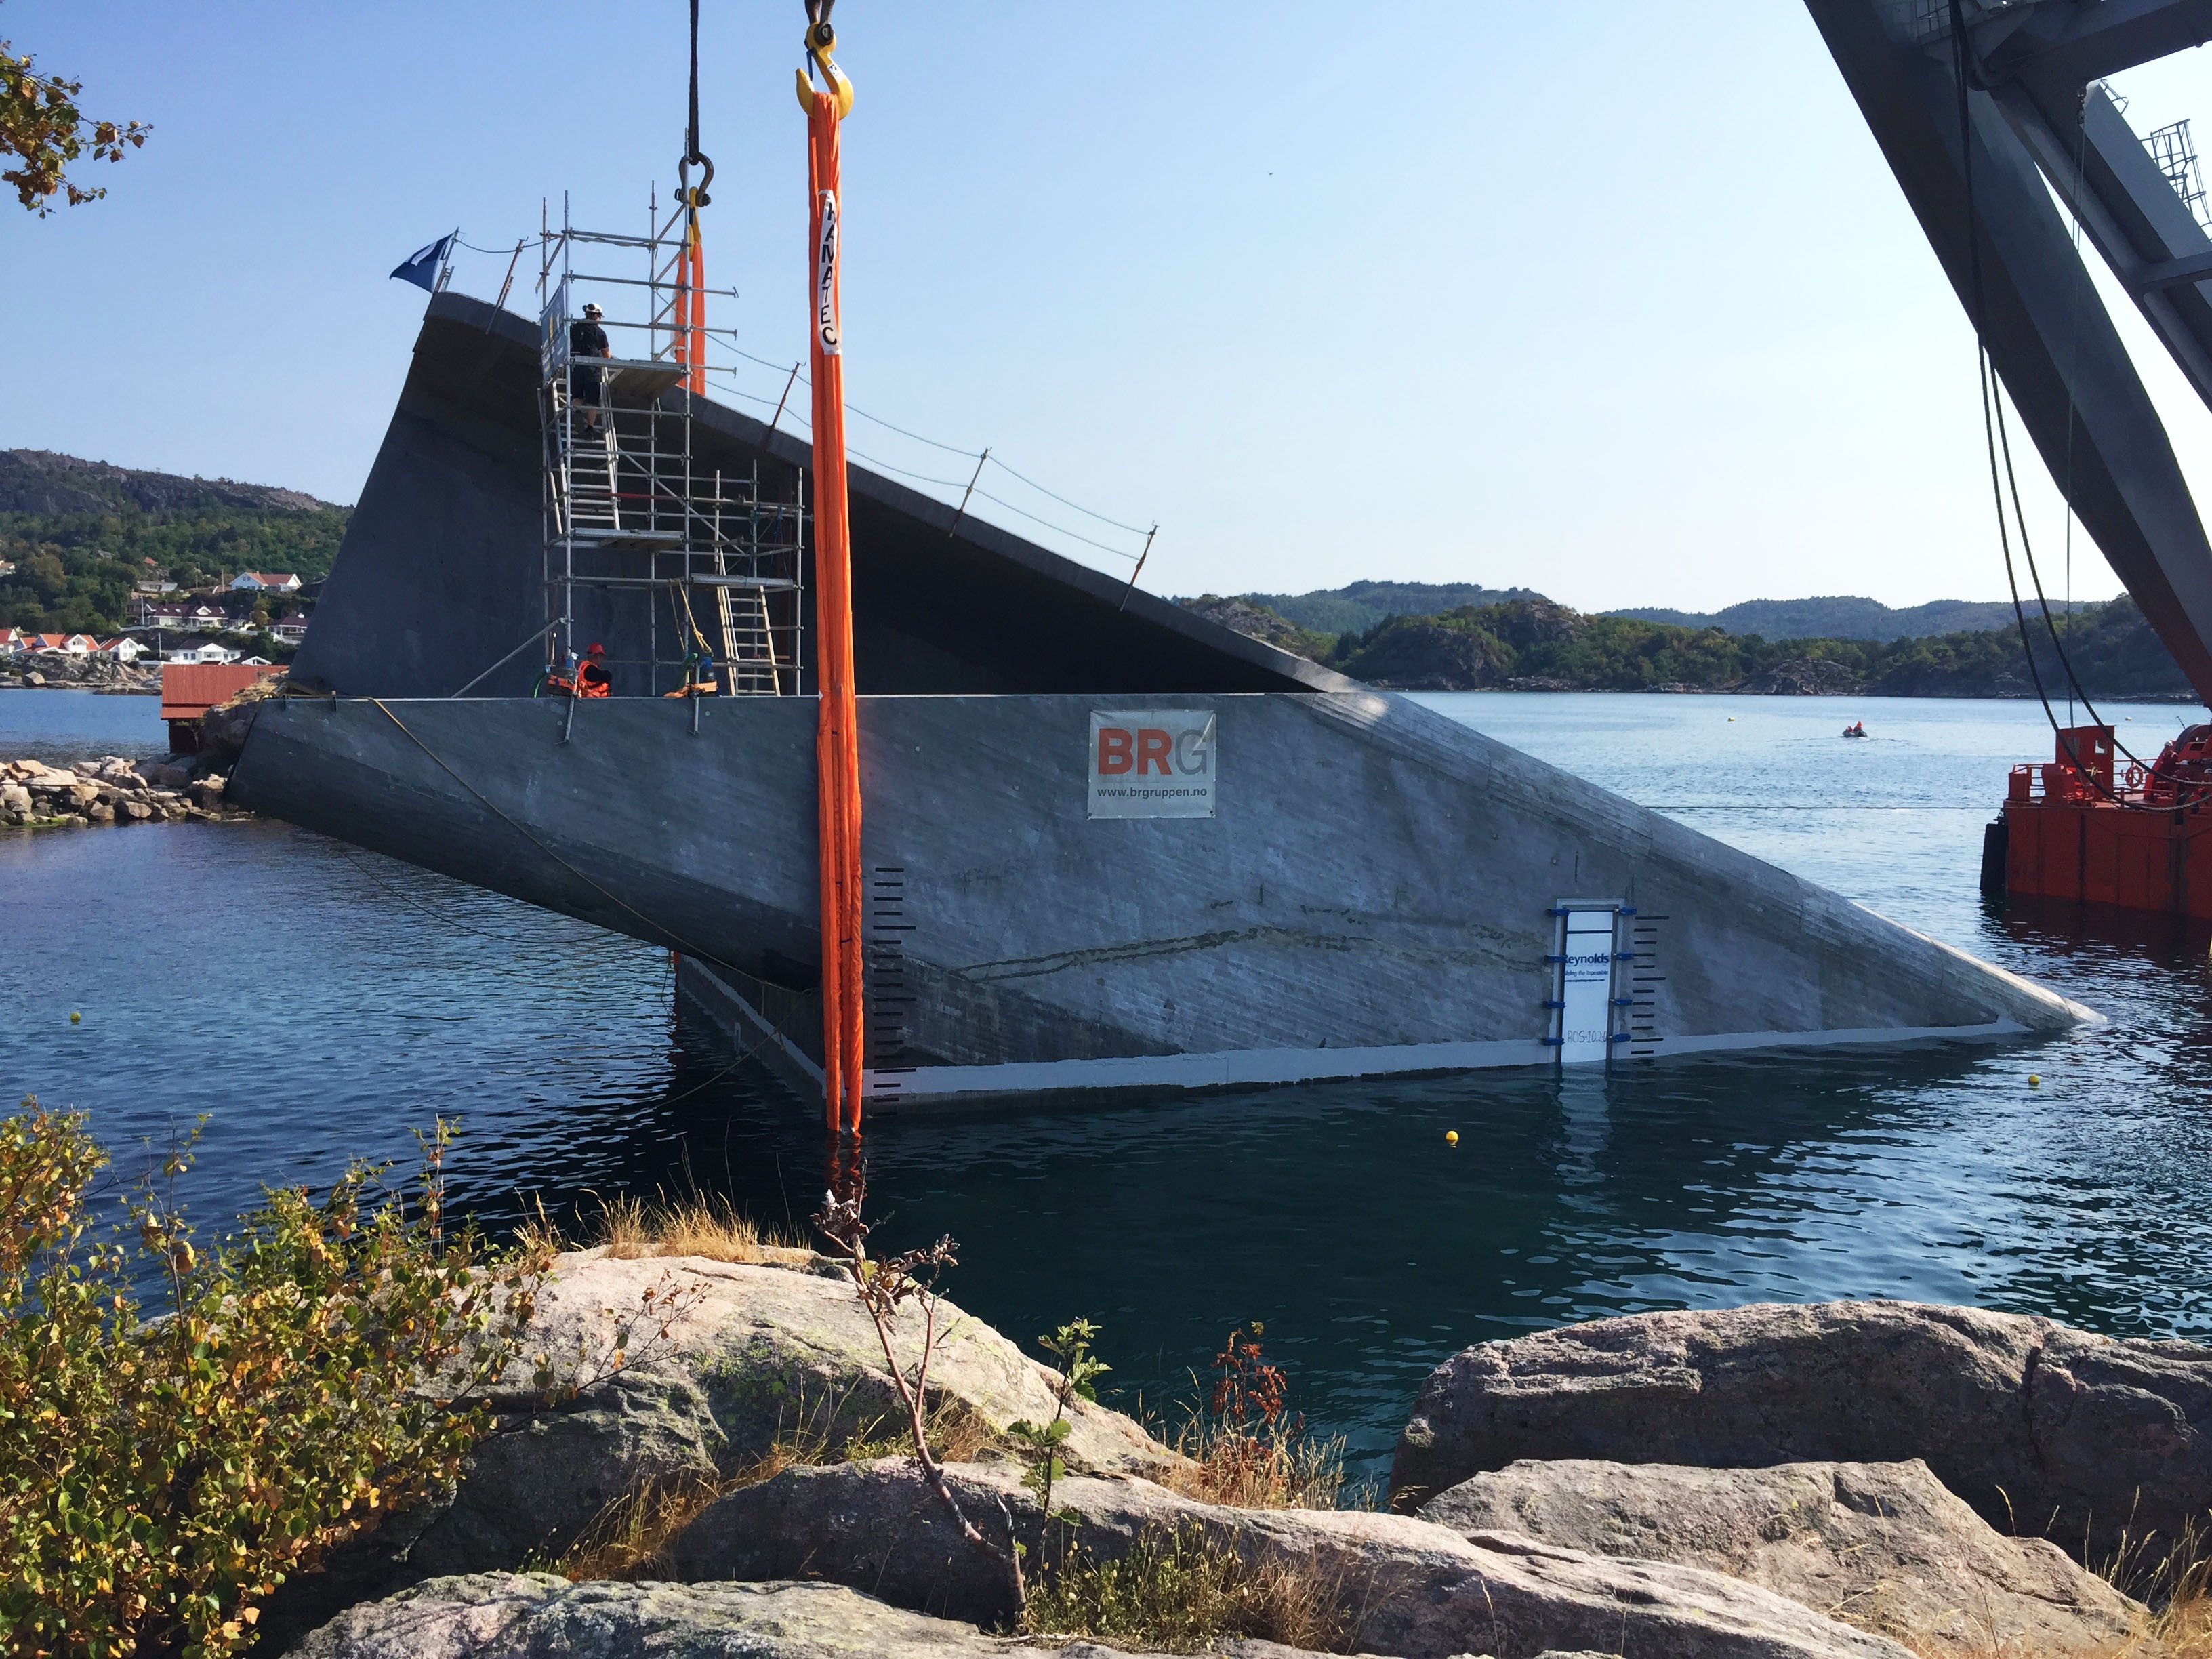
316, 1002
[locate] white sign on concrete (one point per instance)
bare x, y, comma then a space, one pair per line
1586, 986
1152, 763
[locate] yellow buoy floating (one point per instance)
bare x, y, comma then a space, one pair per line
75, 1017
1451, 1137
2034, 1081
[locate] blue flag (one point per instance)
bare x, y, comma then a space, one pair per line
421, 268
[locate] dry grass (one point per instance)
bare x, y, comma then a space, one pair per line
629, 1538
1271, 1467
2176, 1586
956, 1435
701, 1224
1181, 1592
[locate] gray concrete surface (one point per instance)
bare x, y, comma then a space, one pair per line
1373, 896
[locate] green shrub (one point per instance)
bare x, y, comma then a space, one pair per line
159, 1475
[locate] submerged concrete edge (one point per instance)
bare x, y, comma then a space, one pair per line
889, 1090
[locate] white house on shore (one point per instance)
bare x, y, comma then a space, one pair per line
202, 654
274, 581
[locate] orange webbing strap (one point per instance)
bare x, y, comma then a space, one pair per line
837, 747
695, 283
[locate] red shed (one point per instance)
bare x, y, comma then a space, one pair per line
189, 689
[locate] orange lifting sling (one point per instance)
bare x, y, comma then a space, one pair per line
836, 746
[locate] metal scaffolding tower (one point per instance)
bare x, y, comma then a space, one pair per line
626, 508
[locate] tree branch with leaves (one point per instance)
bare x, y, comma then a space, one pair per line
883, 1287
42, 131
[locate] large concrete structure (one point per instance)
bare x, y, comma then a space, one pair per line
1314, 879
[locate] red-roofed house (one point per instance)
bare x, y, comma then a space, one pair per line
122, 647
71, 645
276, 581
11, 640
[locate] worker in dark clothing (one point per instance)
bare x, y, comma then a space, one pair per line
587, 385
593, 679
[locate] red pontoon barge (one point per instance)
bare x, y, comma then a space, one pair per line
2072, 828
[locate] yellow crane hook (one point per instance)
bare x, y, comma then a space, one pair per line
819, 41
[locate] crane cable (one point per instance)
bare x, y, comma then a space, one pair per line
1997, 441
691, 319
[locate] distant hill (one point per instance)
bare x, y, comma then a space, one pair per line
1838, 618
1536, 645
40, 481
1360, 605
1532, 644
80, 533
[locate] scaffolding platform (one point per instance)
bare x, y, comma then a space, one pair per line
700, 573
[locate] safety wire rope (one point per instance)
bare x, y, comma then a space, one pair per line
987, 458
1997, 441
962, 485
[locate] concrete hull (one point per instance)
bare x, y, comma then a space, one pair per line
1377, 892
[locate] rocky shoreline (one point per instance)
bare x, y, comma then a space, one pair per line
51, 672
1767, 1482
112, 790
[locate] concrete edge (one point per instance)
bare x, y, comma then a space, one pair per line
923, 1086
2078, 1014
724, 1004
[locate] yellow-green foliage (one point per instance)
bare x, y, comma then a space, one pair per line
163, 1469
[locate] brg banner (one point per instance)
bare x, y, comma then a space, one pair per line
1152, 763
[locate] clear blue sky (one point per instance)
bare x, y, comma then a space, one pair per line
1618, 301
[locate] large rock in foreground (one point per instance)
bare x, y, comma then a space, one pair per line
751, 1355
534, 1615
1883, 1546
2043, 1430
1406, 1586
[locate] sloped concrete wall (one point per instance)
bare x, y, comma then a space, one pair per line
1374, 893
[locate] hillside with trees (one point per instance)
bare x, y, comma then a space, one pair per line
1534, 644
1839, 617
1357, 605
80, 534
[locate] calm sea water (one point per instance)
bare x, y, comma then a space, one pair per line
316, 1003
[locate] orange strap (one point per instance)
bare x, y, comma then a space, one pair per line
695, 278
836, 746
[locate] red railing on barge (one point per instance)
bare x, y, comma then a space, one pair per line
2077, 828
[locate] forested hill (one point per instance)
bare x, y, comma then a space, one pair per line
1535, 645
1362, 604
1838, 618
80, 533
